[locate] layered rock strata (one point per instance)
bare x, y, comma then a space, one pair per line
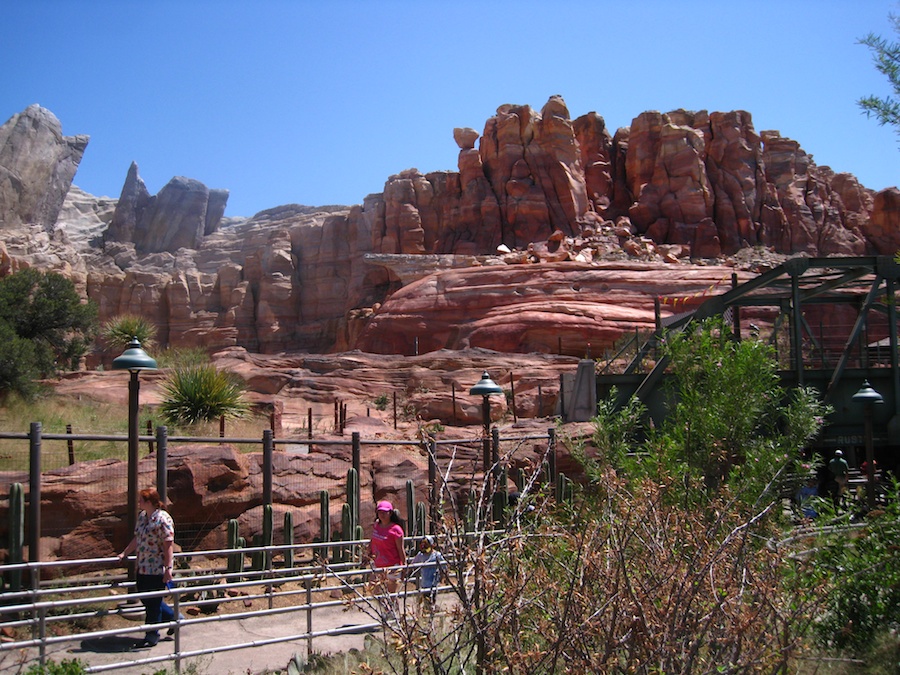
535, 187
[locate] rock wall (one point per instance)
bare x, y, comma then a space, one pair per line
706, 181
534, 186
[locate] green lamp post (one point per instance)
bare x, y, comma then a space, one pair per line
486, 388
868, 397
134, 359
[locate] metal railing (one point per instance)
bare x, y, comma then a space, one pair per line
51, 610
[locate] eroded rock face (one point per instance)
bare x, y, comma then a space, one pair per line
84, 505
702, 180
37, 164
566, 307
183, 212
534, 186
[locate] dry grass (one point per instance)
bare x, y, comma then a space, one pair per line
92, 417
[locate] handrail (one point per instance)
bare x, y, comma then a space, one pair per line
345, 577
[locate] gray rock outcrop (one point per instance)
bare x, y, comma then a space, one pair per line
37, 164
183, 212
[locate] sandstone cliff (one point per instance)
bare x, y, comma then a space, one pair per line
539, 199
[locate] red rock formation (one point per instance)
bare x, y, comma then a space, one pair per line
671, 187
540, 308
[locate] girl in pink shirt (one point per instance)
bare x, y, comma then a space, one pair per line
386, 545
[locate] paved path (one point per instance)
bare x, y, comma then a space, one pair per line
253, 660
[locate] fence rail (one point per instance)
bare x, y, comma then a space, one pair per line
51, 611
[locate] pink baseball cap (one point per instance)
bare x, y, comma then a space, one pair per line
384, 505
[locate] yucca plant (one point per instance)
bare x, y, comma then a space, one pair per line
202, 393
118, 331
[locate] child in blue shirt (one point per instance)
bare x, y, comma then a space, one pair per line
432, 565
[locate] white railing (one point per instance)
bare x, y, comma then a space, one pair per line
51, 610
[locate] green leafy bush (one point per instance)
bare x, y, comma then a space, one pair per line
44, 327
64, 667
862, 566
731, 422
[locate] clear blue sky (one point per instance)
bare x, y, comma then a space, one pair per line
315, 103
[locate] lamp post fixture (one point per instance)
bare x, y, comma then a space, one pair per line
134, 359
485, 388
868, 397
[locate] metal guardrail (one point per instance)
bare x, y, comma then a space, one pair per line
52, 607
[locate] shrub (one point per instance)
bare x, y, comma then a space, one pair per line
121, 329
64, 667
182, 357
862, 566
44, 311
381, 402
201, 394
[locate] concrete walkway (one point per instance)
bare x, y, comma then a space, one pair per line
265, 657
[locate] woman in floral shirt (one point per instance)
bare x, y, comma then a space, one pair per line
154, 537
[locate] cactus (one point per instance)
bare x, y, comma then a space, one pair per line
564, 490
236, 559
16, 532
288, 539
324, 523
268, 527
421, 510
500, 497
353, 494
257, 558
241, 543
546, 477
470, 512
349, 531
410, 508
519, 480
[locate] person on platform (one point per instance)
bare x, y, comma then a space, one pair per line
386, 546
153, 542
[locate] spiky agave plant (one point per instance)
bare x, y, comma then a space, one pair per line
118, 331
202, 393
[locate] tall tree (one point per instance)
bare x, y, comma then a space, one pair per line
47, 327
886, 55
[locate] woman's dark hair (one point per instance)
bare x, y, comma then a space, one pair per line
397, 520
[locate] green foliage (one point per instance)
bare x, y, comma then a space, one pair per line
730, 421
44, 327
617, 431
201, 394
886, 56
182, 357
118, 331
729, 424
19, 370
863, 568
381, 402
64, 667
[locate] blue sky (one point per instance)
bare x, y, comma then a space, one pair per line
319, 103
